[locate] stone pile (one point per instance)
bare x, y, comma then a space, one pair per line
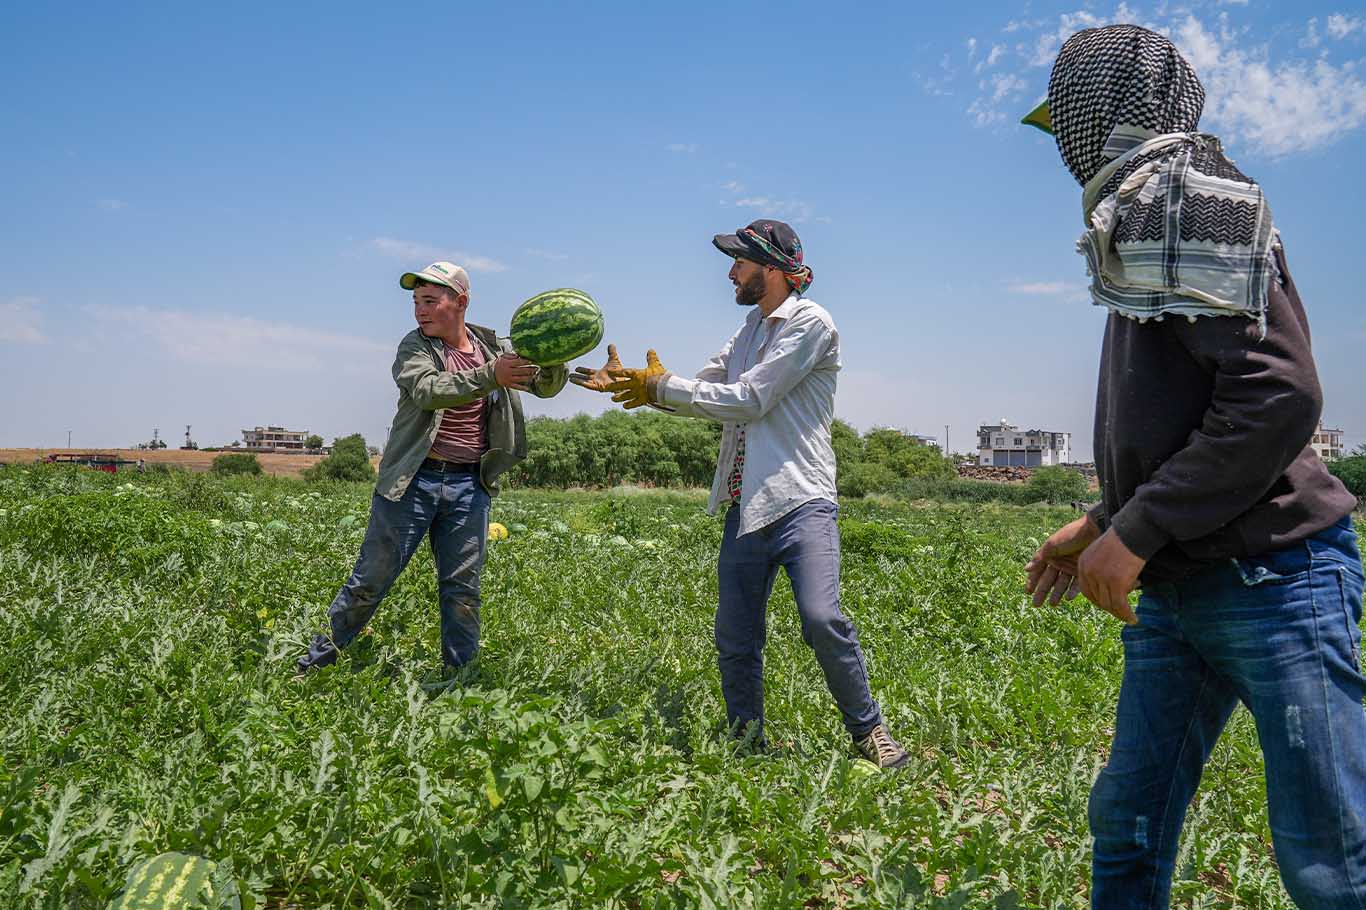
997, 474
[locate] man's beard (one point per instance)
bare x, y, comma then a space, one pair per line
750, 292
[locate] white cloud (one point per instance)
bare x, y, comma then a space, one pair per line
1311, 37
733, 186
1004, 86
983, 114
411, 252
1276, 105
1340, 26
112, 205
972, 48
21, 322
992, 58
683, 148
551, 255
227, 340
789, 209
1046, 46
1061, 290
1280, 108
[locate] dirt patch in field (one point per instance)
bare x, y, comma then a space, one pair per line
277, 464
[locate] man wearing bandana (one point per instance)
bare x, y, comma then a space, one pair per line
1212, 500
772, 388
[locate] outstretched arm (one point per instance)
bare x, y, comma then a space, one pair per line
805, 343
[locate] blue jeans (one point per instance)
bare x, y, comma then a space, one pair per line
453, 509
1280, 633
805, 542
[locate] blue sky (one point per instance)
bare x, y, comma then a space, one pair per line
207, 211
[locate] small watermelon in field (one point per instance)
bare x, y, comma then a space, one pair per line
557, 326
497, 531
177, 881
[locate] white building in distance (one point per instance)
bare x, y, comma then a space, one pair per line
1003, 444
1327, 442
274, 439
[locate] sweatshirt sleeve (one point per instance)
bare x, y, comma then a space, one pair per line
1263, 411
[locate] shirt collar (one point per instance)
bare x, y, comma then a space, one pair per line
784, 310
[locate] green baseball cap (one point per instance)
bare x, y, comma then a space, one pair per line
1040, 118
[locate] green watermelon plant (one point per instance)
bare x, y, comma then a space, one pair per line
153, 713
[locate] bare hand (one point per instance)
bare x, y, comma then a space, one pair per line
1053, 570
515, 373
597, 380
1108, 571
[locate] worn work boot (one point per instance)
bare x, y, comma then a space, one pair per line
879, 748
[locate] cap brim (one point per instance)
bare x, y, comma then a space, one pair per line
409, 280
1040, 118
731, 245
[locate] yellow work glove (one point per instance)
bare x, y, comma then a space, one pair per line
633, 388
597, 380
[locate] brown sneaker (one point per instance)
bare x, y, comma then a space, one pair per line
879, 748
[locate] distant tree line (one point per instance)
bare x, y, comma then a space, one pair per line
614, 448
654, 449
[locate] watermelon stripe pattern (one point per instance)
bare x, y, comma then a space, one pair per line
556, 326
173, 881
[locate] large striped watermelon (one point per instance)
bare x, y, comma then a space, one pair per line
557, 326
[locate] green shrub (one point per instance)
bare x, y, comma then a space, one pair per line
350, 460
235, 463
866, 477
1352, 472
617, 448
1056, 484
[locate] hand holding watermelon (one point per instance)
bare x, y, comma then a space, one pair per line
513, 372
597, 380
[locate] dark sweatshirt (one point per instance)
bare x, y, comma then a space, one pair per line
1201, 437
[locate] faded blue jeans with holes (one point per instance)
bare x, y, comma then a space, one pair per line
806, 543
452, 508
1279, 633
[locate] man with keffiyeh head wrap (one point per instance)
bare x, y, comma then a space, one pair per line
772, 388
1212, 500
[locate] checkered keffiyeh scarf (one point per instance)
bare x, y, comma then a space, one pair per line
1173, 227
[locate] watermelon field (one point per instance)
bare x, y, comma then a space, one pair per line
148, 629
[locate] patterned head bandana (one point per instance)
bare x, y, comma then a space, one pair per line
1171, 225
799, 277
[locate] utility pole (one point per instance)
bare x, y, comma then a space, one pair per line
946, 439
68, 439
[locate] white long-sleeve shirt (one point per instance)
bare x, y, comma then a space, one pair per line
776, 376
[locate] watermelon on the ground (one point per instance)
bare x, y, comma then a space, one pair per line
177, 881
557, 326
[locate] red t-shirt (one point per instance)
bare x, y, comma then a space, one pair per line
463, 434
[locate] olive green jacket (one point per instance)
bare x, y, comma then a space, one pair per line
425, 388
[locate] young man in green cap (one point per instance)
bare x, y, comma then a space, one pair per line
459, 426
772, 388
1213, 501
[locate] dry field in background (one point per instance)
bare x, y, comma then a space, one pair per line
279, 465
